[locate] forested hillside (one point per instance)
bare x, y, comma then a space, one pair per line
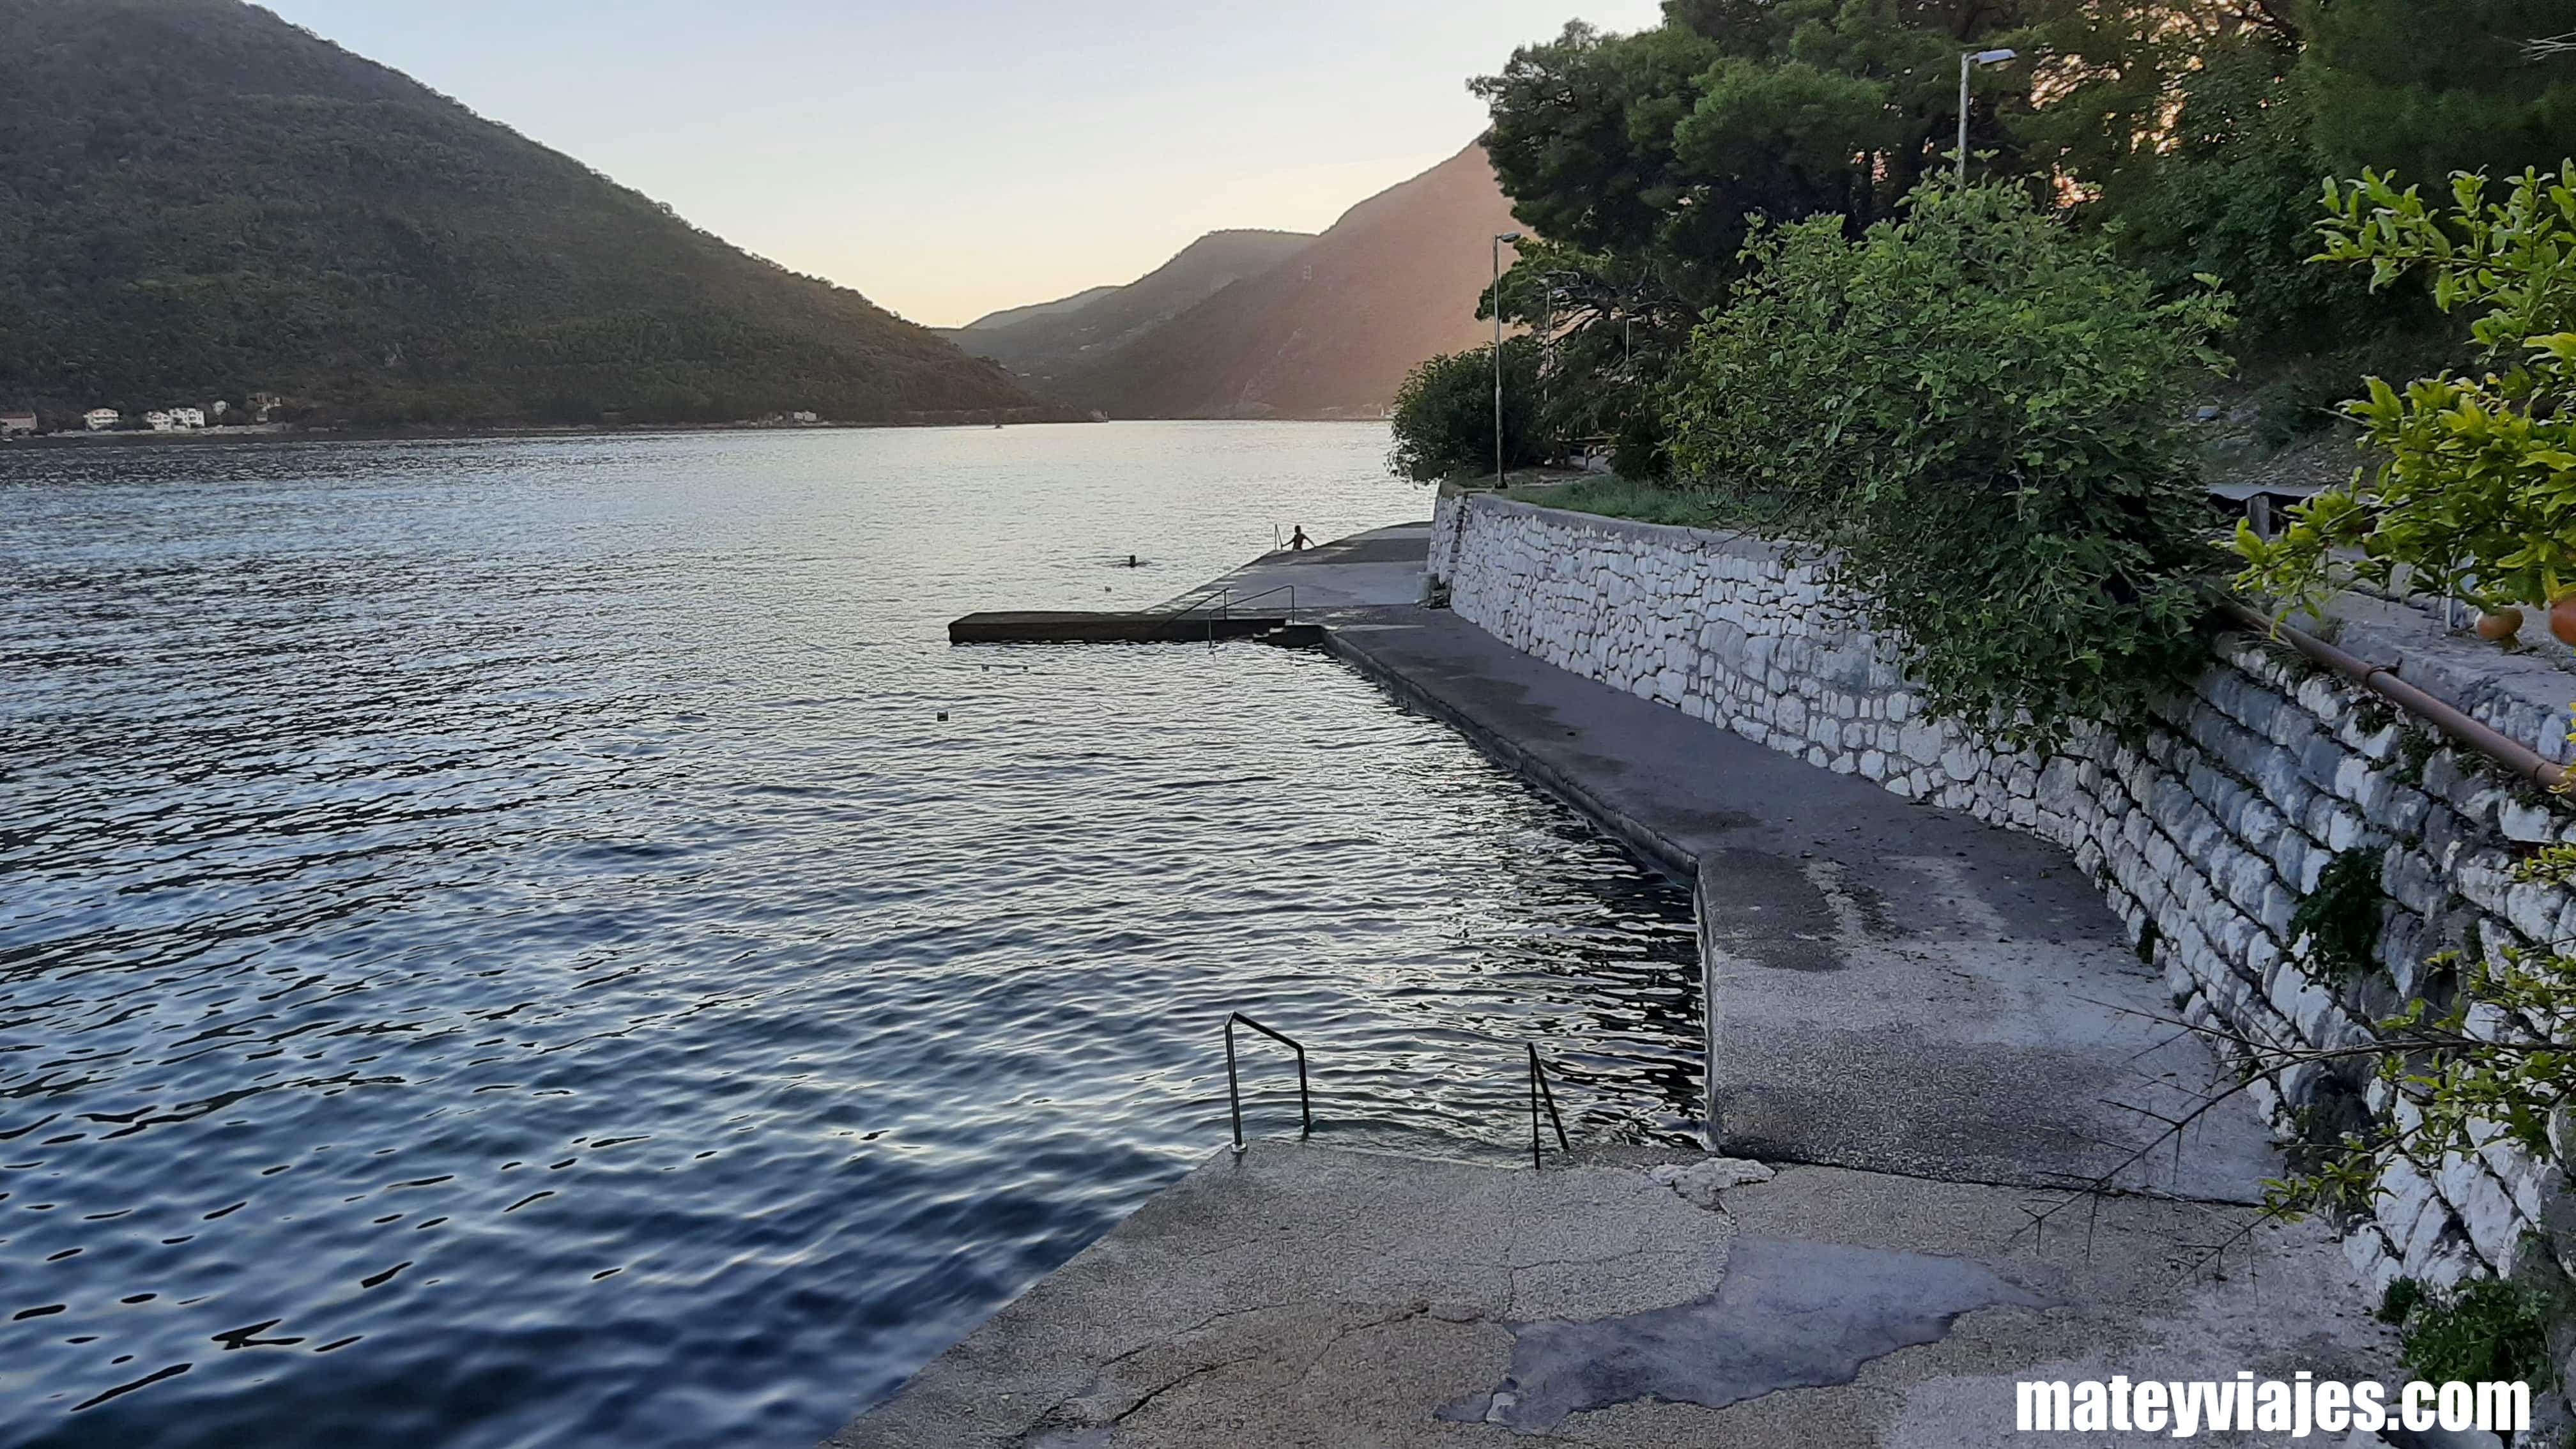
198, 200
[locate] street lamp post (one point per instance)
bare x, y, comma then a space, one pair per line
1970, 60
1500, 478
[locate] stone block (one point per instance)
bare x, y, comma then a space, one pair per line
2278, 907
2487, 1213
2410, 879
2531, 824
2533, 909
2404, 811
2404, 1196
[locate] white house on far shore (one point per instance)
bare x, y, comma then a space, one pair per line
159, 422
15, 424
99, 420
188, 417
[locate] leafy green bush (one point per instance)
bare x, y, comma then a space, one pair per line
2477, 496
2484, 1331
1444, 414
1981, 412
1639, 449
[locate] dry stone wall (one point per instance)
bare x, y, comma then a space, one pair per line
2206, 828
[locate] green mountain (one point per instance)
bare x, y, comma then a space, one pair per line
199, 200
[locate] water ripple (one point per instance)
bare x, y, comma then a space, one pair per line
497, 946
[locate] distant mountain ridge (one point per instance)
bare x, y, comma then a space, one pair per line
1057, 347
199, 200
1009, 315
1328, 328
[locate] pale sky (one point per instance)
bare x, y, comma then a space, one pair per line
951, 159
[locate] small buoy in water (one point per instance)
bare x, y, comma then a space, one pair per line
943, 716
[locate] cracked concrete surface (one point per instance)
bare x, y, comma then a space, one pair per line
1790, 1314
1310, 1296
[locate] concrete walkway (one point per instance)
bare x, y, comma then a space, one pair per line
1925, 1034
1309, 1298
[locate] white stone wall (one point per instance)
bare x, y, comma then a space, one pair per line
2210, 825
1447, 511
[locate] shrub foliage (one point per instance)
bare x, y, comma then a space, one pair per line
1980, 412
1444, 414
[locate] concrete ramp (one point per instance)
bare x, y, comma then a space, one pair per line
1890, 986
1877, 1010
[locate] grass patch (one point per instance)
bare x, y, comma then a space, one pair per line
1615, 497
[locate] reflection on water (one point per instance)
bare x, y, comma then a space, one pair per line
498, 946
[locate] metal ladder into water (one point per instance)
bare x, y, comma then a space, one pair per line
1539, 1092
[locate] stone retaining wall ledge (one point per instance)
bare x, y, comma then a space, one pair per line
2205, 827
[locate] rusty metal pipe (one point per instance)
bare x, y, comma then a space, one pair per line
2382, 680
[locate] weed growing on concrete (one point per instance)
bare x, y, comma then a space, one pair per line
2414, 751
2549, 865
2341, 918
2531, 794
2399, 1299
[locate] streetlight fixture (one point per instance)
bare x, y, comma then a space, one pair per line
1500, 478
1968, 61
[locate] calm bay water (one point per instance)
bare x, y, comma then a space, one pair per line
498, 947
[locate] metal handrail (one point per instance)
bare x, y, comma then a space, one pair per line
2382, 680
1222, 598
1289, 589
1234, 1084
1538, 1093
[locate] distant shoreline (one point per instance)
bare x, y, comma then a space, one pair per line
295, 433
292, 432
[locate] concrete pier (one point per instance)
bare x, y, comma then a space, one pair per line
1074, 626
1927, 1039
1278, 597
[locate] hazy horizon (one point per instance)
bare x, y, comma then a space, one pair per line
984, 156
